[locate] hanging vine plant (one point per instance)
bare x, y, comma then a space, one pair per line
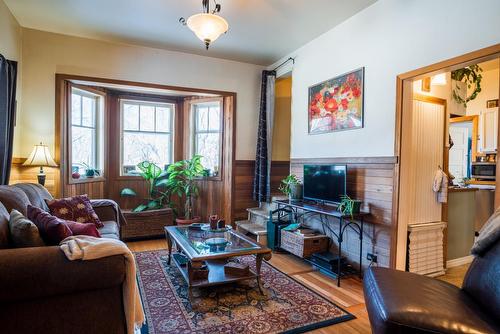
472, 77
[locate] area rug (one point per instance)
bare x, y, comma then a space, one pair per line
287, 306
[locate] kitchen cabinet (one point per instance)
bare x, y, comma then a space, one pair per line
488, 130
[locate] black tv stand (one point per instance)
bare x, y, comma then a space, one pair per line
303, 210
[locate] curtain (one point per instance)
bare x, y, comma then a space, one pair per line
8, 77
262, 177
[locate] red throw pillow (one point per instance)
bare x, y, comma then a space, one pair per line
83, 229
52, 229
77, 209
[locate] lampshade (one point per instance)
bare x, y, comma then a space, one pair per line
207, 27
40, 156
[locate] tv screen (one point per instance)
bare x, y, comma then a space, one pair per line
325, 182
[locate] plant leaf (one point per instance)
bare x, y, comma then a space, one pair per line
128, 192
140, 208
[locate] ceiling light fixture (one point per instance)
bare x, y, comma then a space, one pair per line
207, 26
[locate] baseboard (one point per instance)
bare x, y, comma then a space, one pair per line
460, 261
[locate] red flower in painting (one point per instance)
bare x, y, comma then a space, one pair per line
344, 103
331, 105
314, 109
356, 92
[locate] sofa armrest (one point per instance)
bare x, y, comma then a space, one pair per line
108, 210
38, 272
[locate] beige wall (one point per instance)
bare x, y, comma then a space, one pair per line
282, 119
45, 54
489, 91
11, 48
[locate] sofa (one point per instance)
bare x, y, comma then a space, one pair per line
44, 292
403, 302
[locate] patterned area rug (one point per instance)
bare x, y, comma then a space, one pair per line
287, 306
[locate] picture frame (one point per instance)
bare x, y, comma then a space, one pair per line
492, 103
337, 104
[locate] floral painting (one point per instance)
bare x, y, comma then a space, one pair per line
337, 104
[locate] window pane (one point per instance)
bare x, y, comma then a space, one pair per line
201, 118
147, 118
163, 119
214, 118
82, 147
130, 116
138, 147
88, 110
207, 145
76, 104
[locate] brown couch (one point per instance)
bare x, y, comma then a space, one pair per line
402, 302
43, 292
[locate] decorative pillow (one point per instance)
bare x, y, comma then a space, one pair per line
83, 229
52, 229
23, 233
77, 209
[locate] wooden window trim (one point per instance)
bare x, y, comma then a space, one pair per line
68, 125
190, 128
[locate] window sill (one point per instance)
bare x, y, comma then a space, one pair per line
87, 180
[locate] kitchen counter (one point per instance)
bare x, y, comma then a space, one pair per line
460, 189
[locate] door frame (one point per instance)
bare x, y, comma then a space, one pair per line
475, 131
404, 94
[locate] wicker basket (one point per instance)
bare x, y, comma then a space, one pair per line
146, 224
303, 246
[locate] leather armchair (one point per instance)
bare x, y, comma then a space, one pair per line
403, 302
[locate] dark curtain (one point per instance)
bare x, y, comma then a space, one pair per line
261, 181
8, 78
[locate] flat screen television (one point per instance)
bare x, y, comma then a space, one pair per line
325, 182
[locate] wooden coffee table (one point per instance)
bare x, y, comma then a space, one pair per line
196, 253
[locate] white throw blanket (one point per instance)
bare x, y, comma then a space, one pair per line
89, 248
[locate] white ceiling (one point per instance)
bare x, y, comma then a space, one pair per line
260, 31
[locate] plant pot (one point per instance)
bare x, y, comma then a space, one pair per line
146, 224
90, 173
356, 206
183, 221
296, 192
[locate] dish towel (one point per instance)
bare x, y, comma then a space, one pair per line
440, 186
82, 247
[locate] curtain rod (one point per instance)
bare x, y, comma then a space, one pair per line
283, 63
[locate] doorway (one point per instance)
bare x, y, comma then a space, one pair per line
407, 144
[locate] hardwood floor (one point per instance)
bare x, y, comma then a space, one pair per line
349, 295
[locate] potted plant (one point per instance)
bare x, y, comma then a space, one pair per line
349, 206
90, 171
292, 187
182, 177
149, 218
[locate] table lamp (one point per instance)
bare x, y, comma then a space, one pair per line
40, 157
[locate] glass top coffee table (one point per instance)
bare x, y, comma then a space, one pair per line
206, 250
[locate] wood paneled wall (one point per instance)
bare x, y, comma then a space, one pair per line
243, 184
371, 180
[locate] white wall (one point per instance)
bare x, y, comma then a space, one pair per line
11, 48
45, 54
388, 38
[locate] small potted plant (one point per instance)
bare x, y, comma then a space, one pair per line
182, 177
292, 187
90, 172
349, 206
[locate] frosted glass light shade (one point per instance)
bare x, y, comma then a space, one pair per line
40, 156
207, 27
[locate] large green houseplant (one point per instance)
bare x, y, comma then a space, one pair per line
181, 181
159, 195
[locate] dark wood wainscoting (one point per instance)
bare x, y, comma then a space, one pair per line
243, 184
371, 180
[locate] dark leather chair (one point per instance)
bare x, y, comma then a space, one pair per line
403, 302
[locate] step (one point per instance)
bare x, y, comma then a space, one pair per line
248, 226
261, 213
